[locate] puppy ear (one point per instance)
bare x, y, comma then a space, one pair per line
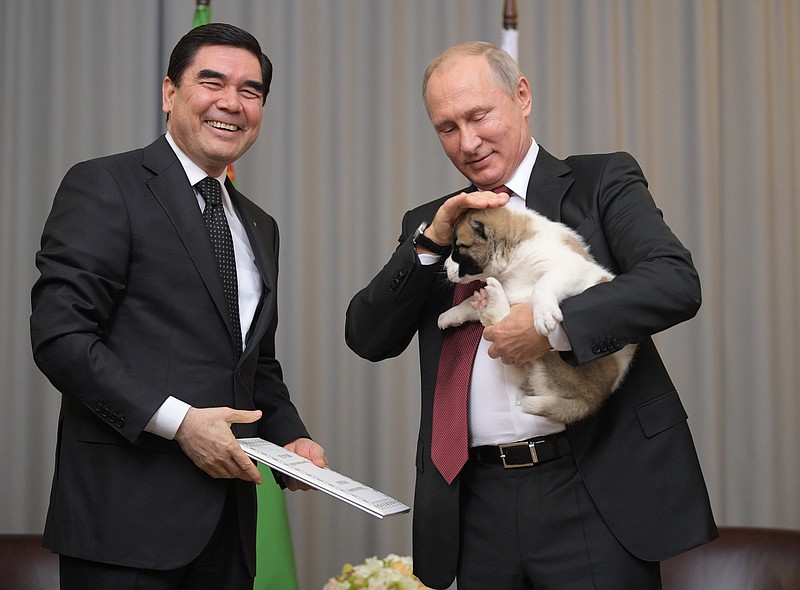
478, 227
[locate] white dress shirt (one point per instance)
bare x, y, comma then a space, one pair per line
167, 419
495, 413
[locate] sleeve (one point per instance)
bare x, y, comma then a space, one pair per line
656, 286
383, 317
281, 422
84, 255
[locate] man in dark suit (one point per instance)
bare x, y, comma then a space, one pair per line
164, 351
593, 504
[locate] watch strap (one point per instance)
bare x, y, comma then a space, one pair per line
422, 240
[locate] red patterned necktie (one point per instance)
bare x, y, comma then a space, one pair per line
450, 432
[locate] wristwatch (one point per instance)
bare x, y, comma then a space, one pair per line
422, 240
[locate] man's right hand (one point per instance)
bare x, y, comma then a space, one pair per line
440, 229
206, 437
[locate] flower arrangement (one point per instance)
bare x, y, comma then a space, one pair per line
393, 572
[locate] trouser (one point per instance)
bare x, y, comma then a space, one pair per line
536, 528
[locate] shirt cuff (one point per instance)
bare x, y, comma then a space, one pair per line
559, 340
428, 259
168, 418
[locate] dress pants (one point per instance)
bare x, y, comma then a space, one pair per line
220, 566
536, 528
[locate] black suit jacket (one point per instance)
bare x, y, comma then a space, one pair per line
129, 309
636, 454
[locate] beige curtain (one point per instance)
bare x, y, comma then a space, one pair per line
706, 94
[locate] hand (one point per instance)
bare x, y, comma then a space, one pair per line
514, 339
305, 447
440, 229
205, 436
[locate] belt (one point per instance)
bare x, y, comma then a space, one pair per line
526, 453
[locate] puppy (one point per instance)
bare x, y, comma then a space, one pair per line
523, 256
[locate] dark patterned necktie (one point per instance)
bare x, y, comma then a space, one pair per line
450, 431
220, 234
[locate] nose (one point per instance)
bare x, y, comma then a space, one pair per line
229, 99
470, 141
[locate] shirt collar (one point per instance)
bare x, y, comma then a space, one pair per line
193, 172
518, 183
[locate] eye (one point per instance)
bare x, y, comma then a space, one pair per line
478, 228
211, 84
250, 93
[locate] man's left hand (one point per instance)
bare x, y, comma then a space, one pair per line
514, 339
305, 447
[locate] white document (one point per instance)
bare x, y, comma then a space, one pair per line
324, 479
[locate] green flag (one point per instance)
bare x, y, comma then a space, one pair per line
274, 554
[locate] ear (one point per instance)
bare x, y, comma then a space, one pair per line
478, 227
524, 96
167, 94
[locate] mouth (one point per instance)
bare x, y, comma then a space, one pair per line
479, 162
223, 126
465, 267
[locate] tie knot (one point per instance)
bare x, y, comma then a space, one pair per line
502, 189
210, 190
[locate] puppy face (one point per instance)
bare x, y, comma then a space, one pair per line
482, 241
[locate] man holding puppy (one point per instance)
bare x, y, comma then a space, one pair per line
532, 503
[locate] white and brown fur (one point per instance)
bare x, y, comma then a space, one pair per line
523, 256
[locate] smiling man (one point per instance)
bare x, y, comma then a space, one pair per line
155, 317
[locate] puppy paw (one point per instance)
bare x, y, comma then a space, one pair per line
546, 317
493, 305
449, 319
455, 316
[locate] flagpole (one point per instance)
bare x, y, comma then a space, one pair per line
510, 34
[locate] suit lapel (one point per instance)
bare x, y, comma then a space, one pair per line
172, 190
549, 182
264, 259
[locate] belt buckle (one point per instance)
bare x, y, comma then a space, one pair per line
530, 445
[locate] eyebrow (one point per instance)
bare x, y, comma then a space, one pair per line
206, 73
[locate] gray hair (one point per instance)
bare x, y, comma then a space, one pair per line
504, 69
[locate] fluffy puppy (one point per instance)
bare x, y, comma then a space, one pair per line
523, 256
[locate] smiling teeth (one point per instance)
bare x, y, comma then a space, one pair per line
221, 125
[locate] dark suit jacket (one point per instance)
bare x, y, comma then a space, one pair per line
636, 454
129, 309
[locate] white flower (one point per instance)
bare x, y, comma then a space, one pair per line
393, 572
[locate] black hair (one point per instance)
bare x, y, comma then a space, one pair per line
216, 34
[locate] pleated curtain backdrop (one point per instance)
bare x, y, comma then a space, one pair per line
705, 94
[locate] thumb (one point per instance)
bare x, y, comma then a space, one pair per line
244, 416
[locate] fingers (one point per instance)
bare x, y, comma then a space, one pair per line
205, 437
514, 339
486, 199
247, 470
441, 228
305, 447
294, 485
243, 416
